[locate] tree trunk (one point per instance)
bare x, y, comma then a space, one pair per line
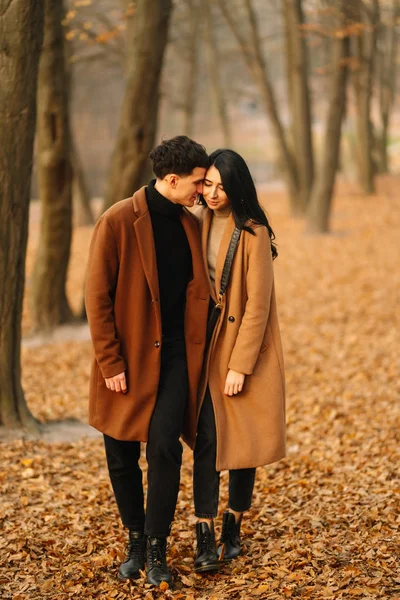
255, 61
289, 56
138, 121
300, 99
21, 32
321, 196
191, 74
387, 83
365, 48
214, 63
48, 297
82, 211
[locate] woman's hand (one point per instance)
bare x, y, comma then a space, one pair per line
234, 383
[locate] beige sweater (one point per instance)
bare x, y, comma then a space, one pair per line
218, 223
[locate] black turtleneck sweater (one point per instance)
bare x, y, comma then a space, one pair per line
174, 259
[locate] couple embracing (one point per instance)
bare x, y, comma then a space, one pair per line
186, 340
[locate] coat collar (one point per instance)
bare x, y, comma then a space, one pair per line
139, 202
223, 249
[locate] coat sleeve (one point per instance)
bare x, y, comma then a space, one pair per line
101, 281
259, 282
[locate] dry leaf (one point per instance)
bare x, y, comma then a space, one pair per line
164, 586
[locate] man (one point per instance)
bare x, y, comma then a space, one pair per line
147, 301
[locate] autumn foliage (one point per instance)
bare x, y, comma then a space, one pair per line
325, 520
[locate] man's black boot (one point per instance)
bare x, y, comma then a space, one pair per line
229, 544
135, 556
206, 554
156, 559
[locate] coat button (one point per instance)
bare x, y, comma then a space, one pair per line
231, 319
157, 344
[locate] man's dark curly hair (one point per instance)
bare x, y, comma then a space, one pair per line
179, 155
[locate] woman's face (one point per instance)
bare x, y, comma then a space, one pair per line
213, 191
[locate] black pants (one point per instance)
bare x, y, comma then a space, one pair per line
205, 476
163, 453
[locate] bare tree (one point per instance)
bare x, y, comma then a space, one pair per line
214, 62
48, 296
367, 16
83, 214
253, 55
300, 102
387, 74
21, 32
147, 36
321, 196
190, 72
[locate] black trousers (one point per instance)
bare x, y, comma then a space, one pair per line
163, 452
206, 477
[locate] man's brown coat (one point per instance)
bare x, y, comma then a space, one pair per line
123, 308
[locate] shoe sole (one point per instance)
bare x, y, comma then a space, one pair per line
128, 578
157, 585
206, 569
228, 560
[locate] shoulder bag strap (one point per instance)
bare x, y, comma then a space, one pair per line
226, 271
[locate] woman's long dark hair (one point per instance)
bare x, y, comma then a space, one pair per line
239, 186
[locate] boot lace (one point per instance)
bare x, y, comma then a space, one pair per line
136, 548
228, 530
206, 542
156, 556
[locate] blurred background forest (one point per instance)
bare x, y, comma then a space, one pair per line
216, 84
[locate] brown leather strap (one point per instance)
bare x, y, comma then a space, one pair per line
230, 255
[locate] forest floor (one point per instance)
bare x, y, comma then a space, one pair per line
325, 520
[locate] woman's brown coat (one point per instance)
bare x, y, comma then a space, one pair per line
250, 426
122, 303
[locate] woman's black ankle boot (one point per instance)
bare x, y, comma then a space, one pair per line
206, 554
229, 544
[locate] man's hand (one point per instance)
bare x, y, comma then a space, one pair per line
234, 383
117, 383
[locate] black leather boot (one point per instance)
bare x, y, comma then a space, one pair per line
135, 557
206, 555
156, 559
229, 544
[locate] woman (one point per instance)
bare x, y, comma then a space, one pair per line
241, 423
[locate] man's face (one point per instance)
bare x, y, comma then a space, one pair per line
186, 188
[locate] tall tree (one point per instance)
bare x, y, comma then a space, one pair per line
147, 33
251, 48
299, 97
387, 74
83, 214
214, 62
319, 208
367, 16
190, 73
48, 297
21, 32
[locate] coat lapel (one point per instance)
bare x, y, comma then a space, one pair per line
205, 232
145, 239
192, 233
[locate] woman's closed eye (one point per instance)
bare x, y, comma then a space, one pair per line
209, 184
